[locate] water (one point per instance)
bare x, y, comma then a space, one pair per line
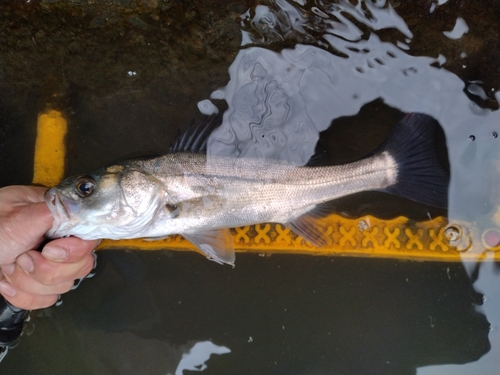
342, 73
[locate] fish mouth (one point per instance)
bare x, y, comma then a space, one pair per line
56, 205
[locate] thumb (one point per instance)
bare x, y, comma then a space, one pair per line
40, 217
23, 229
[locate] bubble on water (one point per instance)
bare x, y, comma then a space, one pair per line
131, 73
206, 107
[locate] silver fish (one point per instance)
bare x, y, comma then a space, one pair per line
183, 193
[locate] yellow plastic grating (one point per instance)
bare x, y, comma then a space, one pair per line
366, 236
50, 148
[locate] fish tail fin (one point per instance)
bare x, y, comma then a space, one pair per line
421, 176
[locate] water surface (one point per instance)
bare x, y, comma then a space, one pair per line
286, 74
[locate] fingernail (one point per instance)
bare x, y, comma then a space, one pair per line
26, 263
54, 252
7, 289
8, 269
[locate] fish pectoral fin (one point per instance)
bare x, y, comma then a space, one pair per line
311, 228
216, 244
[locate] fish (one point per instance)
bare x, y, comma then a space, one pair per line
184, 192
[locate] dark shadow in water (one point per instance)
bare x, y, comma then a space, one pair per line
278, 315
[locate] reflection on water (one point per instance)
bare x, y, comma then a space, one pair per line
304, 65
305, 315
195, 359
458, 31
279, 102
487, 284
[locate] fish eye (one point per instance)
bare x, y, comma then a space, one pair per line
85, 186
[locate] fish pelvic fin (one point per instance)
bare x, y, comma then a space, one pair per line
216, 244
421, 177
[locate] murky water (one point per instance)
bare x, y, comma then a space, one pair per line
343, 73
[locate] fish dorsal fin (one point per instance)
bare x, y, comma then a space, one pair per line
195, 137
216, 244
319, 158
311, 226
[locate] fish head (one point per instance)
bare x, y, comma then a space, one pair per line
114, 202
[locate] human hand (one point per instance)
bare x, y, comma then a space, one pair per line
29, 279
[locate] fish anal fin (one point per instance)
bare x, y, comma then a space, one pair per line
216, 244
311, 227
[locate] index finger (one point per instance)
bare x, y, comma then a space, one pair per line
68, 249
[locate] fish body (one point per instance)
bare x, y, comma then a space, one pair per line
184, 193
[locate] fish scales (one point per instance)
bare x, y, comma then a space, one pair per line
249, 191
